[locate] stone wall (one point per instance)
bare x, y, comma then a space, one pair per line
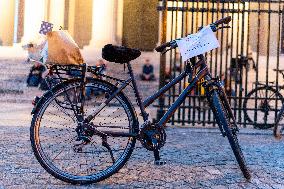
267, 27
133, 23
140, 24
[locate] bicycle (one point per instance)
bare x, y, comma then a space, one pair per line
85, 141
278, 129
266, 98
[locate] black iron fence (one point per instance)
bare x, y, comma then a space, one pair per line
248, 53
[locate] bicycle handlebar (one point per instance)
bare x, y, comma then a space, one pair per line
173, 44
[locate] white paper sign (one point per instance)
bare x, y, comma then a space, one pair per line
198, 43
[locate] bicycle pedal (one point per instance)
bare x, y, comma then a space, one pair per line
160, 162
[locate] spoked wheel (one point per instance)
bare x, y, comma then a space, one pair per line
85, 155
222, 117
278, 130
261, 106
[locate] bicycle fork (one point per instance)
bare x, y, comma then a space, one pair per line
214, 84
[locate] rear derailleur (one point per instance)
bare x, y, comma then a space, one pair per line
153, 138
85, 134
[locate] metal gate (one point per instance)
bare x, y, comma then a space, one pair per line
248, 53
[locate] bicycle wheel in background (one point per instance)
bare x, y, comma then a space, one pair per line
278, 127
54, 138
262, 114
222, 118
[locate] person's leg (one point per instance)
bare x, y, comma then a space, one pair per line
34, 81
152, 77
142, 76
233, 93
88, 92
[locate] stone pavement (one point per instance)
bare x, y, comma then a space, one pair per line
196, 158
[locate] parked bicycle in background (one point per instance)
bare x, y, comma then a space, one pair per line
262, 104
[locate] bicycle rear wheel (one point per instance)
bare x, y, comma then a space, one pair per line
54, 137
260, 106
279, 128
222, 118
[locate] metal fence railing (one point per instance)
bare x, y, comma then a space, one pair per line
250, 50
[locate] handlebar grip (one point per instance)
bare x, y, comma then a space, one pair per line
162, 47
225, 20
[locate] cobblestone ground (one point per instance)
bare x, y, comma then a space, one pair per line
196, 158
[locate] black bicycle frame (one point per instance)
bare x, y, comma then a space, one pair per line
190, 68
202, 73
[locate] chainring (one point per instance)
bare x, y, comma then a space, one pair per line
152, 137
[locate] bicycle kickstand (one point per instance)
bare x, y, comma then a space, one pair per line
158, 160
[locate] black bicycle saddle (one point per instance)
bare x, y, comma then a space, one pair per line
119, 54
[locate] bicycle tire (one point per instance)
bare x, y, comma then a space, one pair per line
222, 119
248, 112
46, 161
277, 130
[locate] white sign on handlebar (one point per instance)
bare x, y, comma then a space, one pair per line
198, 43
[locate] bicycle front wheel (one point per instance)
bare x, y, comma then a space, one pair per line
261, 106
222, 119
278, 128
54, 133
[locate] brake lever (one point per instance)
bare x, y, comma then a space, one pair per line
223, 27
165, 51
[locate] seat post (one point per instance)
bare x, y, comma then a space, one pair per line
137, 94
